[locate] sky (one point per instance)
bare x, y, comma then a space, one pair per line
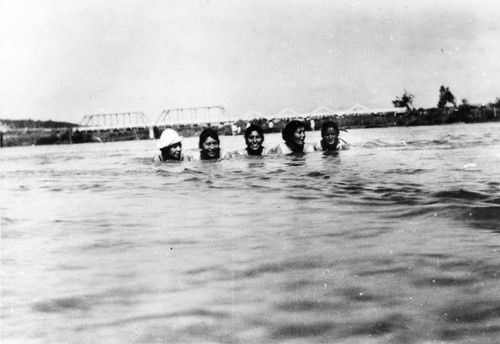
63, 59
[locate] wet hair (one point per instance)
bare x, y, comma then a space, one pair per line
205, 134
248, 131
325, 146
289, 131
329, 124
254, 127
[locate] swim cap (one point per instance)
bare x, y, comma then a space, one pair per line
168, 137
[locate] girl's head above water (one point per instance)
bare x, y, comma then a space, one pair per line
209, 144
329, 124
170, 145
329, 136
254, 137
294, 135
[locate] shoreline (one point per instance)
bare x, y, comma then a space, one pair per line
13, 137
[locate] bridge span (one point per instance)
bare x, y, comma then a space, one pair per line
199, 116
133, 121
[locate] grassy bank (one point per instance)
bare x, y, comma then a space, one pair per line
42, 133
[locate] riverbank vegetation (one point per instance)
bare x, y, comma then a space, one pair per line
29, 132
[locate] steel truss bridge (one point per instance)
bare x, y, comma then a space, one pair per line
115, 122
200, 116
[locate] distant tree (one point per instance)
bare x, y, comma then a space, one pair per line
445, 97
497, 101
465, 106
29, 123
406, 101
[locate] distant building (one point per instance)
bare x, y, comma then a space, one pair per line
363, 110
322, 112
289, 114
251, 115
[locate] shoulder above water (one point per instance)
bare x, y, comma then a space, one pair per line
283, 149
342, 145
184, 157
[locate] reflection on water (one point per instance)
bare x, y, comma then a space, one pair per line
394, 241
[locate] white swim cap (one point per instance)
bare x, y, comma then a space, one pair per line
168, 137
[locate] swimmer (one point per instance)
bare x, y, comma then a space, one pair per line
170, 146
210, 146
294, 136
330, 138
254, 137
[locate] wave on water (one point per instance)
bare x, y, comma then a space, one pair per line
447, 142
478, 209
462, 194
379, 143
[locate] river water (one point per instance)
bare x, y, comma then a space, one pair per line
396, 240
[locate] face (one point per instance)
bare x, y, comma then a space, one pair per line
254, 140
330, 136
299, 136
174, 151
211, 147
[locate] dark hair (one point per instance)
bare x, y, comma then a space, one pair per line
256, 128
248, 131
290, 129
288, 135
329, 124
205, 134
